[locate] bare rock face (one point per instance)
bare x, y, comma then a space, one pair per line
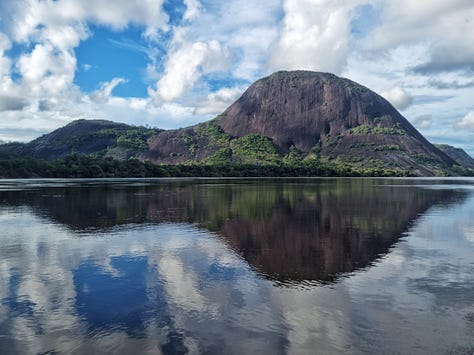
327, 115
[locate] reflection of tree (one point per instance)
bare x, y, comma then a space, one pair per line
288, 231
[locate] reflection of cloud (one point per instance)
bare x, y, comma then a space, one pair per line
181, 285
314, 325
188, 282
468, 233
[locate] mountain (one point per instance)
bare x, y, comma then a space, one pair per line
457, 154
100, 138
305, 115
292, 118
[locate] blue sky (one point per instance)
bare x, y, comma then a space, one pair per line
107, 55
174, 63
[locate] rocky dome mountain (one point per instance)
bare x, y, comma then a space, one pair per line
307, 110
295, 117
309, 115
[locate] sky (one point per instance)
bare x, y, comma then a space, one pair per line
174, 63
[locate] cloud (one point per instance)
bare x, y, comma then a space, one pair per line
446, 58
443, 28
244, 34
455, 84
423, 121
12, 103
12, 134
105, 91
398, 97
185, 66
130, 45
193, 8
430, 99
406, 22
136, 111
87, 67
467, 232
315, 36
467, 121
46, 105
47, 70
218, 101
5, 62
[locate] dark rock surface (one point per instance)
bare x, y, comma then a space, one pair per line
317, 111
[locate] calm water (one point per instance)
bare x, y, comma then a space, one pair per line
237, 266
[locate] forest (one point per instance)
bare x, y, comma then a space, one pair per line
83, 166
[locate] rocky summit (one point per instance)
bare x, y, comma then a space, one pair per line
310, 115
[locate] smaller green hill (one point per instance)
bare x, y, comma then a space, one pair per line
457, 154
98, 138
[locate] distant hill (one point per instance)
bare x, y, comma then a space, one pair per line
288, 118
99, 138
457, 154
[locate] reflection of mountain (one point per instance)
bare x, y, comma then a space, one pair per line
287, 231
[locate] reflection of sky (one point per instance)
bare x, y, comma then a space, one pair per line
114, 301
424, 288
166, 287
173, 287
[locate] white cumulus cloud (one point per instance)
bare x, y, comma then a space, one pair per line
5, 62
467, 121
218, 101
105, 92
443, 27
187, 64
423, 121
315, 35
193, 8
398, 97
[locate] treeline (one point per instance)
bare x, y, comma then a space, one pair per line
82, 166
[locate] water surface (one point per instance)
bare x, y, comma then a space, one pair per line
237, 266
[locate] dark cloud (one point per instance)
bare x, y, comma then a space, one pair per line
428, 99
439, 84
45, 105
12, 103
448, 59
